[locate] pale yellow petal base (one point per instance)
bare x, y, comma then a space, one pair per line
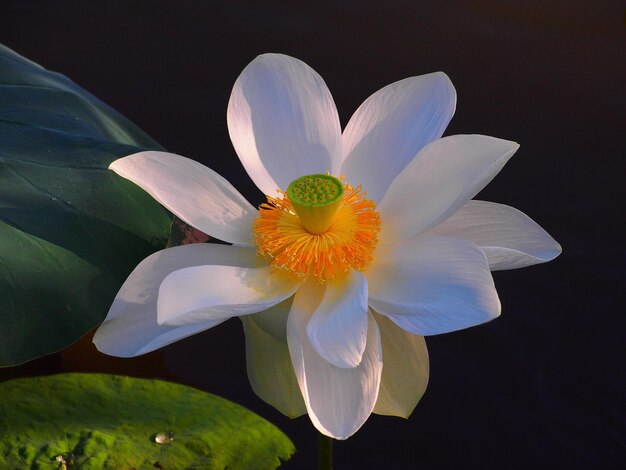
270, 371
405, 370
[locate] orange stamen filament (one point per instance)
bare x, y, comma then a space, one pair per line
348, 243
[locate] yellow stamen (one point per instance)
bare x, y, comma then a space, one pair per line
347, 243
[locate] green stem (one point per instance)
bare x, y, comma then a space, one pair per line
324, 452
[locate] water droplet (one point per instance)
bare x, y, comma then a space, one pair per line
66, 460
164, 437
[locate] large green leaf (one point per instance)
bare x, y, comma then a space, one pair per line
107, 421
70, 230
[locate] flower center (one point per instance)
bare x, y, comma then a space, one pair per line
320, 226
315, 199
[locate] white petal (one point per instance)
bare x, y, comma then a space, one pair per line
203, 293
338, 328
509, 238
391, 126
433, 285
131, 327
273, 321
405, 370
268, 362
283, 122
440, 179
192, 191
338, 400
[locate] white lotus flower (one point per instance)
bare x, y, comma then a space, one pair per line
335, 294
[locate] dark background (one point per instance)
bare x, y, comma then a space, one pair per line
543, 386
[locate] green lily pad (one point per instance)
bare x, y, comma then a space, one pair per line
70, 229
107, 421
